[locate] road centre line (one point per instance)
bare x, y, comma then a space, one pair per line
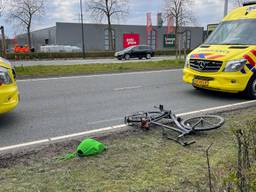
116, 127
127, 88
99, 75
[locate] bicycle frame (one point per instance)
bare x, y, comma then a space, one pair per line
183, 127
170, 116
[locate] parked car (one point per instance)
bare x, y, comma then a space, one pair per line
140, 51
9, 94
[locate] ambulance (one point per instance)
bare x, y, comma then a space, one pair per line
9, 94
226, 61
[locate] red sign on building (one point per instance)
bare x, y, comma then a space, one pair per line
131, 40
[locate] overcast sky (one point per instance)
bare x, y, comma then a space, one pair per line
205, 11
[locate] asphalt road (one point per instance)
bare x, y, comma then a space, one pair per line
84, 61
56, 107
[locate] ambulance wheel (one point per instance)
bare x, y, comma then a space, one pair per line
250, 91
197, 88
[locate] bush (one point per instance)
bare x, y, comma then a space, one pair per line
41, 55
98, 54
168, 52
240, 174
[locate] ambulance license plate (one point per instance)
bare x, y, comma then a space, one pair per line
200, 83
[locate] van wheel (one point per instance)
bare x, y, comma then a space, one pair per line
127, 57
148, 56
197, 88
250, 91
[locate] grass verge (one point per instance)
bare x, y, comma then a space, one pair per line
66, 70
134, 161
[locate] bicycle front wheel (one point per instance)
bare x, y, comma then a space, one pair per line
203, 123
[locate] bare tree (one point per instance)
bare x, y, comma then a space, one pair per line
109, 10
180, 10
23, 12
238, 3
1, 8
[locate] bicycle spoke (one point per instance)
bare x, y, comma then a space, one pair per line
197, 123
168, 121
203, 123
208, 122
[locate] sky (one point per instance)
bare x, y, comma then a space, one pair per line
205, 12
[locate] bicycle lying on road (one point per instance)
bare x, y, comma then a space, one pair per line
169, 121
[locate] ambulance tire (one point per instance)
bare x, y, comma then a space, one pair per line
250, 91
197, 88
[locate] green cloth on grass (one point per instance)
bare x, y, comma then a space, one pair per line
87, 147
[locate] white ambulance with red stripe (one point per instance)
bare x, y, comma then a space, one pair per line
227, 59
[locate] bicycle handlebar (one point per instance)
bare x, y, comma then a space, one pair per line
161, 108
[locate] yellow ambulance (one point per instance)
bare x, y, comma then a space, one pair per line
227, 59
9, 94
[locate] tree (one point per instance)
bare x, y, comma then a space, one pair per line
23, 12
1, 8
180, 11
238, 3
108, 9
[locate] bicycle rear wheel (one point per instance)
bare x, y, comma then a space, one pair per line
138, 117
203, 123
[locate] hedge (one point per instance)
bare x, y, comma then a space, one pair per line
41, 55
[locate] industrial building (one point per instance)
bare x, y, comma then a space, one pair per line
96, 36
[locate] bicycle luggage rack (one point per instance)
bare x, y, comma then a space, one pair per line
173, 123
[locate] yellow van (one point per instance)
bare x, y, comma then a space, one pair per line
9, 94
227, 59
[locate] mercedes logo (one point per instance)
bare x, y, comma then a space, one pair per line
201, 65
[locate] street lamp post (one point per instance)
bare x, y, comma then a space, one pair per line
226, 8
82, 26
3, 41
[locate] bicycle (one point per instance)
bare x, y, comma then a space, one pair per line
165, 119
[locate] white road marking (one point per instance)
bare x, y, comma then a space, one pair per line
218, 108
24, 144
104, 121
99, 75
114, 127
119, 126
81, 134
127, 88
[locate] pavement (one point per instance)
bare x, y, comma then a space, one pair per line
60, 106
85, 61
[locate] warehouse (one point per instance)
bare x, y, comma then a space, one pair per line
96, 36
